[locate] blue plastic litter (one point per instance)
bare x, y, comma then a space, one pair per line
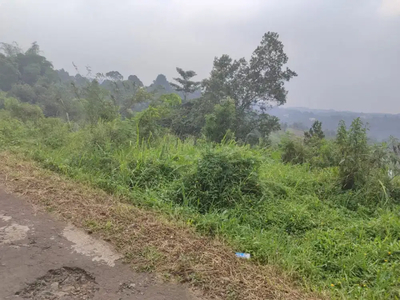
243, 255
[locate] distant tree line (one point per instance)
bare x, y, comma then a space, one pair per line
221, 106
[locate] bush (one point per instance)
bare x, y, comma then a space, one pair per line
23, 111
220, 181
293, 150
12, 131
116, 133
354, 166
150, 174
53, 132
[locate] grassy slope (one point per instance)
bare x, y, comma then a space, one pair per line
149, 240
299, 223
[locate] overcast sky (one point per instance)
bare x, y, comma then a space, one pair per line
346, 52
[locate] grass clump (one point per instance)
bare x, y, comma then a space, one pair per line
220, 181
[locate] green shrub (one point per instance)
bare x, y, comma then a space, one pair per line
148, 123
354, 164
23, 111
293, 150
116, 133
53, 132
12, 131
150, 174
220, 181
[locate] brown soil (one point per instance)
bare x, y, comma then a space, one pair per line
69, 282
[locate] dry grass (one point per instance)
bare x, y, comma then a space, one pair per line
148, 240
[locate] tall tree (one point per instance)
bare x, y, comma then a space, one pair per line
114, 75
10, 50
185, 84
259, 81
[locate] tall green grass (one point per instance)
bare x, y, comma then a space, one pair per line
291, 216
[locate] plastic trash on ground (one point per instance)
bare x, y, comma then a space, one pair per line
243, 255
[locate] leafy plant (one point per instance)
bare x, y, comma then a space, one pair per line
221, 122
354, 154
220, 181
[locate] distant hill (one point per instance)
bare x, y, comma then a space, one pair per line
381, 126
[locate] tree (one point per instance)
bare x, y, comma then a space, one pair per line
34, 66
136, 80
315, 132
23, 111
10, 50
64, 76
189, 118
267, 124
115, 75
139, 96
29, 67
252, 127
31, 73
24, 92
259, 81
80, 81
153, 121
98, 106
9, 73
221, 122
185, 85
160, 86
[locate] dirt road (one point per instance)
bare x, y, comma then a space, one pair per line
42, 258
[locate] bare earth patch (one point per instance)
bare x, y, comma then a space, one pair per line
63, 283
146, 239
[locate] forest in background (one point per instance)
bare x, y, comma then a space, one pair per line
380, 126
325, 210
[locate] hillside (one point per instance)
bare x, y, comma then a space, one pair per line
321, 209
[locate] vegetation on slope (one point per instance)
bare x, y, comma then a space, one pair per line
326, 211
303, 218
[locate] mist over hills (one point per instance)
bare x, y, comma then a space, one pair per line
381, 126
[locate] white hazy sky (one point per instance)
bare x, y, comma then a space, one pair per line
346, 52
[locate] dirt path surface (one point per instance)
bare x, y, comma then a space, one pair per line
43, 258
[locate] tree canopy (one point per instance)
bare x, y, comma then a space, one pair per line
234, 96
184, 83
259, 81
